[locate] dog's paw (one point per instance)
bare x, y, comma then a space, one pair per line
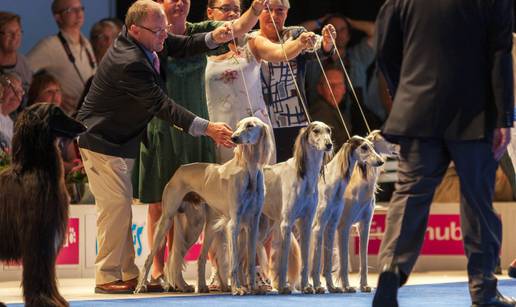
320, 290
285, 290
225, 288
203, 289
186, 288
140, 288
308, 290
349, 289
239, 291
335, 290
366, 288
260, 290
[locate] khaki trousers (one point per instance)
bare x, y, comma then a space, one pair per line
110, 182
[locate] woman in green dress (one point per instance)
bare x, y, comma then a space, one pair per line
167, 148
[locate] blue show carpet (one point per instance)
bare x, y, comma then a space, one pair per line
435, 295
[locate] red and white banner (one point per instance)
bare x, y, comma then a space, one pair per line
443, 235
69, 253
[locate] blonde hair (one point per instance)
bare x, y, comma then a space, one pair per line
139, 11
284, 3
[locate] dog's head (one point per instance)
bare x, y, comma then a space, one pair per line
254, 140
364, 152
316, 136
38, 126
383, 147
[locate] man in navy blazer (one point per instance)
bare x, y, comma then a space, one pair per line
448, 67
126, 93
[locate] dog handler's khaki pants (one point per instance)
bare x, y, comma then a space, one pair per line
110, 182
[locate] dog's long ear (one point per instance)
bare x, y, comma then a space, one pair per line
265, 144
299, 151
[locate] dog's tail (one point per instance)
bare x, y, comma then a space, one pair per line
294, 262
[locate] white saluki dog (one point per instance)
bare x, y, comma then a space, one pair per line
356, 151
291, 195
359, 208
235, 189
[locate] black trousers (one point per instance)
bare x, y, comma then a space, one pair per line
423, 162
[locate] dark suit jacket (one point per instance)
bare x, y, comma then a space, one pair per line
127, 93
448, 66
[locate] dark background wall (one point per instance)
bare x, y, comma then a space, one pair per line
301, 10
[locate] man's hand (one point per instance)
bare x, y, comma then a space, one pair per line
502, 138
222, 34
329, 34
220, 133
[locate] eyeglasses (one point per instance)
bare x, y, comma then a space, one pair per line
157, 32
70, 10
227, 8
12, 34
19, 93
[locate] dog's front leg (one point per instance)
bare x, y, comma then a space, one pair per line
318, 230
233, 230
343, 234
364, 227
306, 229
285, 234
328, 253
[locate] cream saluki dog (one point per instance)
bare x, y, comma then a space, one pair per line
356, 151
235, 189
359, 208
292, 194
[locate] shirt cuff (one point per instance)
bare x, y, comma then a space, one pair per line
208, 38
198, 127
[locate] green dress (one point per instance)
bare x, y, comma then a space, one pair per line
167, 147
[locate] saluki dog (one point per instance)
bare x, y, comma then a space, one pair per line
359, 208
292, 195
34, 201
235, 189
359, 152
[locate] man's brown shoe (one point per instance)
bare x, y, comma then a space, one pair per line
132, 282
114, 287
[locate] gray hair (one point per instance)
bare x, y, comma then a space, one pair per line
284, 3
139, 11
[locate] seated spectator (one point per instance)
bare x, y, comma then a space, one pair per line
10, 40
354, 44
102, 36
46, 88
11, 99
323, 108
68, 55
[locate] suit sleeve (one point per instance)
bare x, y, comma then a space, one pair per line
139, 82
181, 46
389, 45
500, 44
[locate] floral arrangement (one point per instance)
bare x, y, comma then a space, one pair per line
75, 181
5, 159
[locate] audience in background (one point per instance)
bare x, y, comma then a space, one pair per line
280, 93
68, 55
12, 96
357, 55
10, 40
103, 34
323, 107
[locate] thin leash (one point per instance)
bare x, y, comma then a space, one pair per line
332, 94
240, 68
289, 66
351, 85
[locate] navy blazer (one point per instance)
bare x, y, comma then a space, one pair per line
448, 66
127, 92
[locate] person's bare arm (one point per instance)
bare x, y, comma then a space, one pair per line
264, 49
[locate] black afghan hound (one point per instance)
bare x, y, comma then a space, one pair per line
34, 201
